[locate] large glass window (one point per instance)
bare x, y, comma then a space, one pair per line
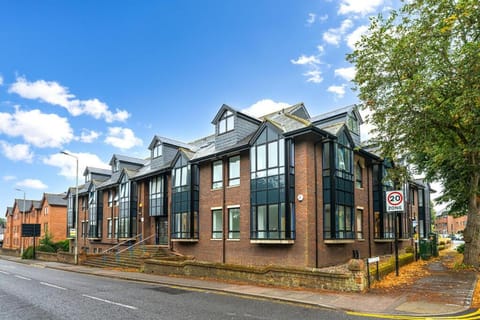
185, 200
272, 203
226, 122
217, 174
338, 189
157, 196
217, 224
127, 209
384, 223
234, 223
234, 171
92, 213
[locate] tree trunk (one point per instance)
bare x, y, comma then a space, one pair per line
471, 235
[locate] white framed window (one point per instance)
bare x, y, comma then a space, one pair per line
217, 224
234, 223
217, 174
226, 122
234, 171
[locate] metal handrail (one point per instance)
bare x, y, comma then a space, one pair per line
121, 243
135, 244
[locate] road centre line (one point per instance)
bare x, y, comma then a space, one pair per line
110, 302
52, 285
20, 277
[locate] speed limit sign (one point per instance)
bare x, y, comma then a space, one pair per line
394, 200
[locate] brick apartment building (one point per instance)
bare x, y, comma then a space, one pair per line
50, 212
449, 225
286, 189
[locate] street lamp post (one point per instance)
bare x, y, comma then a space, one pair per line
76, 212
23, 218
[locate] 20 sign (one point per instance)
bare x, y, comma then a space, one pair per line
394, 200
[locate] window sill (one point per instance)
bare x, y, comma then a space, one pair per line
233, 186
272, 241
234, 240
339, 241
185, 240
216, 239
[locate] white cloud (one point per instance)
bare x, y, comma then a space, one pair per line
123, 138
68, 165
334, 35
314, 76
346, 73
32, 183
9, 178
323, 18
311, 18
263, 107
359, 6
1, 80
88, 136
321, 49
16, 152
53, 93
339, 91
304, 60
355, 36
37, 128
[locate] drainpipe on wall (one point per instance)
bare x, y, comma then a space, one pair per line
224, 213
369, 215
316, 199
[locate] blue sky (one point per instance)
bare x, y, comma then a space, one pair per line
97, 78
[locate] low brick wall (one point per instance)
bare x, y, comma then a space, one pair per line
46, 256
10, 252
271, 275
60, 256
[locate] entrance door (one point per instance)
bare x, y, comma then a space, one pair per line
161, 230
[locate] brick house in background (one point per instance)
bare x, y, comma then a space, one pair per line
50, 212
286, 189
446, 224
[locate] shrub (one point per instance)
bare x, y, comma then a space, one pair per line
28, 253
461, 248
45, 248
63, 245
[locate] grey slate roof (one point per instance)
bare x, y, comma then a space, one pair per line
166, 140
128, 159
56, 199
26, 208
9, 211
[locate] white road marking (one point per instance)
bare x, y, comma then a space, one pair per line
111, 302
20, 277
52, 285
4, 272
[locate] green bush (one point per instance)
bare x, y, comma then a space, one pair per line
28, 253
461, 248
63, 245
45, 248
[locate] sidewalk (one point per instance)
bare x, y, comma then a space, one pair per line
444, 291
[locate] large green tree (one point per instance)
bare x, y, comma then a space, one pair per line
418, 72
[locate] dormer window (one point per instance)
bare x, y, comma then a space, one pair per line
116, 165
353, 125
225, 123
157, 150
88, 177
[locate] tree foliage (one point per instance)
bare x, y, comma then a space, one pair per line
418, 73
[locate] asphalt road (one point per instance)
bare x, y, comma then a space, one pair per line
30, 292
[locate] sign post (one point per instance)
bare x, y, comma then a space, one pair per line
31, 230
394, 203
